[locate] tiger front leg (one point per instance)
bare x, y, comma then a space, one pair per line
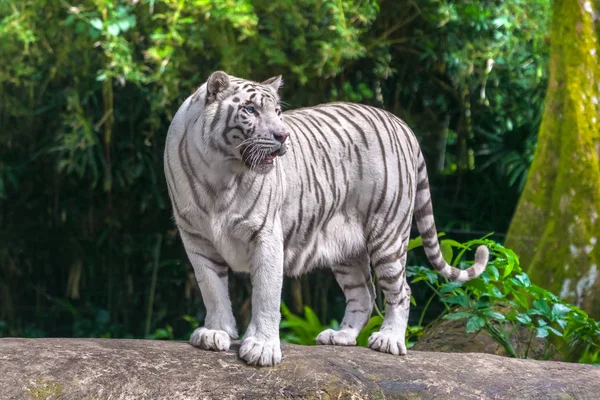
261, 342
219, 325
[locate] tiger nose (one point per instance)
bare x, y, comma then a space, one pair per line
281, 136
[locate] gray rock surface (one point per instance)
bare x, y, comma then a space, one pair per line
142, 369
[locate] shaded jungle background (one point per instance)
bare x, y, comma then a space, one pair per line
87, 243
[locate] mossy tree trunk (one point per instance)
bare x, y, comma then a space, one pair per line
555, 229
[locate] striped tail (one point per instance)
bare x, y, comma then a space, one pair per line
426, 225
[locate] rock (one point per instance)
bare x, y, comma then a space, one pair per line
143, 369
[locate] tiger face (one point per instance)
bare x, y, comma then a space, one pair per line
247, 122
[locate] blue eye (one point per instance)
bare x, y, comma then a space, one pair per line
250, 109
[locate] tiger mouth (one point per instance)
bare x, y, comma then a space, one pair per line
267, 158
270, 158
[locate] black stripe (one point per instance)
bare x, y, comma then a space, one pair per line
353, 286
454, 273
288, 236
255, 233
471, 272
421, 165
391, 279
316, 126
425, 209
331, 128
429, 233
348, 118
304, 158
252, 206
228, 128
385, 170
184, 168
212, 260
194, 235
300, 207
217, 117
332, 117
360, 162
423, 184
388, 259
330, 164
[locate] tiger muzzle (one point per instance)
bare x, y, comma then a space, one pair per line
281, 150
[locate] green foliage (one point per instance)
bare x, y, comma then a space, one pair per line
300, 330
503, 298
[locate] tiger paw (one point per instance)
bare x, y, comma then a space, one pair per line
337, 338
209, 339
264, 353
388, 342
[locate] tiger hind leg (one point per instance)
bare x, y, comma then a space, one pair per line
391, 275
355, 280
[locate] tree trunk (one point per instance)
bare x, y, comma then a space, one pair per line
555, 228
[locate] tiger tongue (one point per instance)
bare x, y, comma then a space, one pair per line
269, 159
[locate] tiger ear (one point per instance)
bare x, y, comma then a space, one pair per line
217, 82
275, 82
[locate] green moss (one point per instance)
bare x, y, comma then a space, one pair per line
44, 389
555, 229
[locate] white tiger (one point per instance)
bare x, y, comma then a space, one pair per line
342, 196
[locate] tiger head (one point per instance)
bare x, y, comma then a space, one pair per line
243, 119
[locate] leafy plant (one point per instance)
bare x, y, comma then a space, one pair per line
503, 299
300, 330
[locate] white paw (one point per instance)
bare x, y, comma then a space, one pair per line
388, 342
209, 339
264, 353
337, 338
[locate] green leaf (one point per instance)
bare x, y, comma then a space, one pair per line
447, 252
494, 314
96, 23
493, 271
414, 243
418, 242
450, 287
521, 298
474, 324
508, 268
554, 331
494, 292
114, 29
373, 325
543, 307
523, 280
524, 319
542, 332
311, 317
461, 300
559, 310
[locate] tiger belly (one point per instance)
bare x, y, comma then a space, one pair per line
339, 240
